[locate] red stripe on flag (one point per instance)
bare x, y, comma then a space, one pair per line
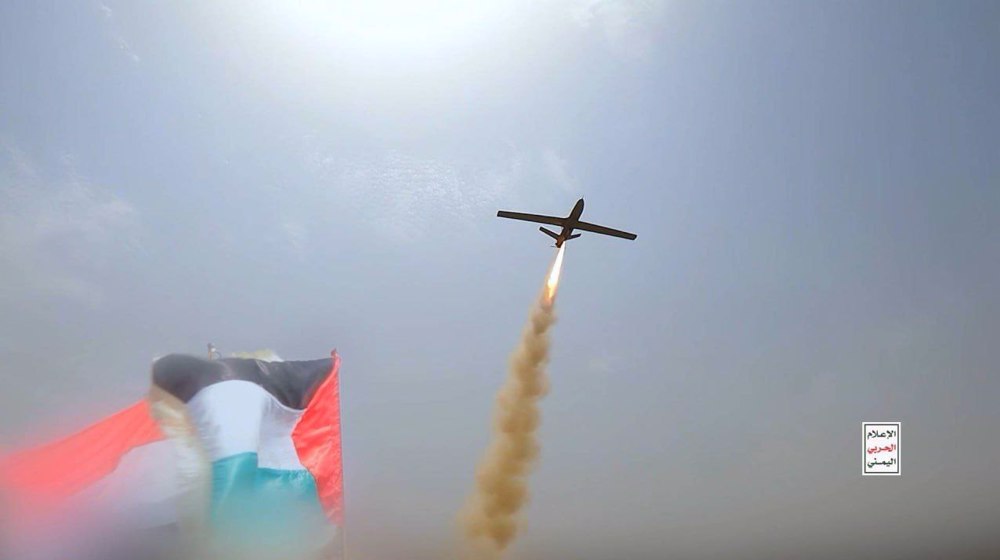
61, 469
317, 441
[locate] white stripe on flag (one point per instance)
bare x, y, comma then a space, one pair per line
234, 417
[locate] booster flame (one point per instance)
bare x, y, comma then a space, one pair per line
552, 284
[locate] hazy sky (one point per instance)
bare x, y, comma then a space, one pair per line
815, 185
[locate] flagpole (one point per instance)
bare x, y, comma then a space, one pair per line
343, 544
340, 430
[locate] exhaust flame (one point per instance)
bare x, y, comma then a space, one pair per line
491, 519
552, 284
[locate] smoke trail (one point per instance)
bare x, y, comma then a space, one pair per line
490, 519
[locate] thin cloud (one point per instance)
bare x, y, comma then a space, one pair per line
54, 236
296, 238
115, 34
403, 196
557, 169
626, 25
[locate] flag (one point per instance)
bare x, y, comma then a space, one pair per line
269, 433
231, 453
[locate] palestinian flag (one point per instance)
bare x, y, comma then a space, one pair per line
239, 455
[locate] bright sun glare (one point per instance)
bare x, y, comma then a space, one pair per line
389, 23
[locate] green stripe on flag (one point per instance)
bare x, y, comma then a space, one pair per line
266, 506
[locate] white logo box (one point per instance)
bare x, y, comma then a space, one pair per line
881, 448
